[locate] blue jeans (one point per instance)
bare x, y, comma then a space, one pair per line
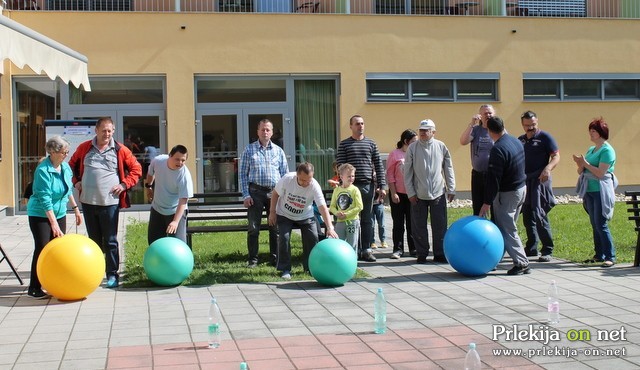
377, 215
309, 232
538, 229
419, 214
261, 202
102, 227
602, 240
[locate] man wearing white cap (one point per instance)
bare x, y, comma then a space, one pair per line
428, 175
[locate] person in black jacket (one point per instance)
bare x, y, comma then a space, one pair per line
505, 189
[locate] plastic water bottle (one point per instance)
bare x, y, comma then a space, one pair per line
214, 324
380, 307
472, 361
243, 366
553, 303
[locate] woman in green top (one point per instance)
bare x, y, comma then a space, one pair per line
47, 206
596, 167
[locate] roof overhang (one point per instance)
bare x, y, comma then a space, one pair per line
24, 46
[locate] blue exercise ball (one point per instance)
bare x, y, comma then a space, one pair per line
473, 246
168, 261
333, 262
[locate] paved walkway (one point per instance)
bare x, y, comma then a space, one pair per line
433, 313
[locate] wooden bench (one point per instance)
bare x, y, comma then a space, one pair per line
634, 207
227, 212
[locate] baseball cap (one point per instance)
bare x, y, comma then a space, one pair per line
427, 124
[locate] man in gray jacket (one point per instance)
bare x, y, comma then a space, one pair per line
428, 174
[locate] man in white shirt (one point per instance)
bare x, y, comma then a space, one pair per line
292, 204
169, 186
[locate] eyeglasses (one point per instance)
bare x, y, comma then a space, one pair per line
64, 153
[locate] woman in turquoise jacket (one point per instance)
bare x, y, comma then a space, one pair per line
47, 206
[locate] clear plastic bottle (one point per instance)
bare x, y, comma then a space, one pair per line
380, 313
243, 366
553, 303
472, 361
214, 324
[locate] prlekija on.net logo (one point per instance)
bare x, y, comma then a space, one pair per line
591, 343
547, 334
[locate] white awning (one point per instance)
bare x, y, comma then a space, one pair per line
24, 46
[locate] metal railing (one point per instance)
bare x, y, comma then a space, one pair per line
515, 8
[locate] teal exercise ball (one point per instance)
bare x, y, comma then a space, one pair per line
473, 246
168, 261
333, 262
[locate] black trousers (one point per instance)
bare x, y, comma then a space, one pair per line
478, 185
42, 234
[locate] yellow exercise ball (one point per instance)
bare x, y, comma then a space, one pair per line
71, 267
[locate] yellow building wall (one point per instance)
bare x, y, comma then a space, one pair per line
353, 45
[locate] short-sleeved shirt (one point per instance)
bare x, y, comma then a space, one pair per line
537, 151
481, 145
169, 185
605, 154
296, 202
100, 176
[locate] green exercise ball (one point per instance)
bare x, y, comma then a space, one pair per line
168, 261
333, 262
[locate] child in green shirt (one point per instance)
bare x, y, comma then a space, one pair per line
346, 204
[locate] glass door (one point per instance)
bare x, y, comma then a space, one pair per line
217, 152
221, 138
142, 131
282, 129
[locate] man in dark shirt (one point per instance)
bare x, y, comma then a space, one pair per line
505, 189
541, 155
362, 153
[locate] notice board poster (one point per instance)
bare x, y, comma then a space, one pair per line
75, 132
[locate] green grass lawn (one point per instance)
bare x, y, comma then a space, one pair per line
218, 258
221, 258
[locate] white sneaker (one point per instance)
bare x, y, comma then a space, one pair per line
374, 246
286, 275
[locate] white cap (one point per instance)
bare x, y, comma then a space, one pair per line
427, 124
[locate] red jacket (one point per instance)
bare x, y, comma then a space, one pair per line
129, 170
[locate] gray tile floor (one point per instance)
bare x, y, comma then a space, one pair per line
49, 334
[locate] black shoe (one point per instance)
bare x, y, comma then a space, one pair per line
37, 294
593, 260
421, 260
396, 255
519, 270
440, 259
368, 257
